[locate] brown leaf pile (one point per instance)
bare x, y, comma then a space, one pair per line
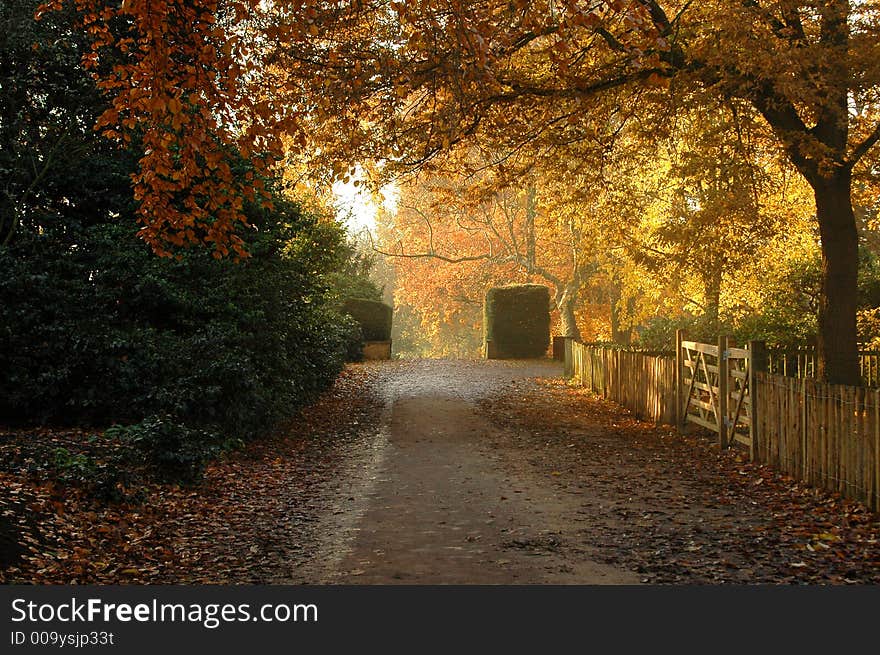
675, 508
248, 521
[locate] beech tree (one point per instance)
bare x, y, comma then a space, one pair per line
181, 76
715, 201
521, 234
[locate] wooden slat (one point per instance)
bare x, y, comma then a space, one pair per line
702, 386
712, 368
695, 402
645, 384
876, 468
706, 348
827, 436
700, 421
822, 434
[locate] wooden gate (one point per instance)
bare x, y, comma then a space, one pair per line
714, 389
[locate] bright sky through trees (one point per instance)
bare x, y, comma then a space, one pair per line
355, 206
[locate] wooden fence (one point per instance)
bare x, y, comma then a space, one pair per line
826, 435
644, 384
714, 388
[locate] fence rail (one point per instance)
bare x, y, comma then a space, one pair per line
714, 388
826, 435
803, 363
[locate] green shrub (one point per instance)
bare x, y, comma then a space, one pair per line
95, 329
516, 321
353, 337
177, 451
374, 317
78, 466
658, 333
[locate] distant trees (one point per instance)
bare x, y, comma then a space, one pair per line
407, 81
507, 234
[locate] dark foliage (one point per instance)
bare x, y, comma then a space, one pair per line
373, 316
351, 274
196, 353
96, 329
54, 168
516, 320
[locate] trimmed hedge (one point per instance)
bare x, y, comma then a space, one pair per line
516, 321
373, 316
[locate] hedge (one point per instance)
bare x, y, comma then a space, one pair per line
96, 330
373, 316
516, 320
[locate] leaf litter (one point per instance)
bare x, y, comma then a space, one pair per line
675, 508
250, 520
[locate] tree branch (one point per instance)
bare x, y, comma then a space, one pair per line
428, 255
862, 149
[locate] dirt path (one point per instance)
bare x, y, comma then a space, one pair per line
442, 507
499, 473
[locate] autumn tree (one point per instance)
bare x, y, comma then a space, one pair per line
518, 234
716, 187
408, 81
180, 77
403, 83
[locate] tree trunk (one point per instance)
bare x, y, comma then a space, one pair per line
838, 339
713, 302
618, 334
712, 293
566, 301
531, 212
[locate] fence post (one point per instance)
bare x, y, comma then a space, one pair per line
567, 358
723, 391
757, 364
604, 386
804, 430
618, 371
876, 505
587, 366
679, 381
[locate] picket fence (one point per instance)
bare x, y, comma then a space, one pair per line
825, 435
644, 384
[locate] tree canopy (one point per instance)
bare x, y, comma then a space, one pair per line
400, 86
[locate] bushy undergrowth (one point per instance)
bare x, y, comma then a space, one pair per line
195, 353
